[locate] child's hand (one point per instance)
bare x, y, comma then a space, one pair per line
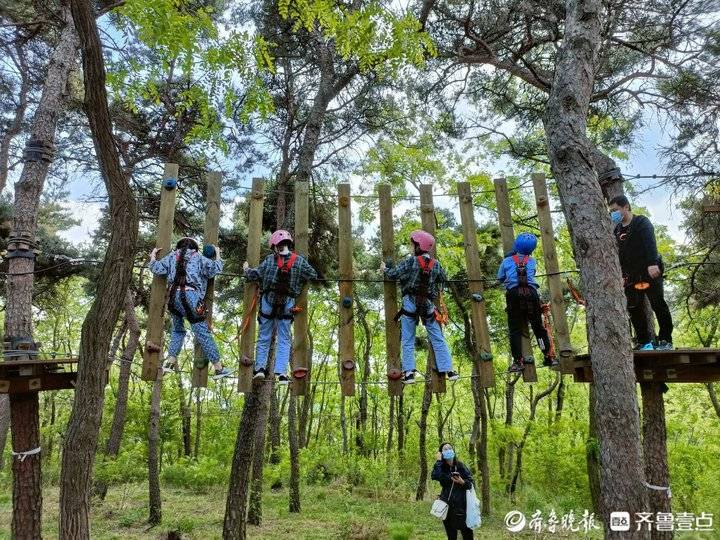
382, 267
153, 254
246, 266
218, 255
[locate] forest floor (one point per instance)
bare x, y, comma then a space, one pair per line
328, 512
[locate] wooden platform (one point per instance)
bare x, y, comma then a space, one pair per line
676, 366
37, 375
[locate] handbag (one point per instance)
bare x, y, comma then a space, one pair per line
440, 508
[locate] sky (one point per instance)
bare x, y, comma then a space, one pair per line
643, 158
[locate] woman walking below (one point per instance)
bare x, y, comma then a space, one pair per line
456, 480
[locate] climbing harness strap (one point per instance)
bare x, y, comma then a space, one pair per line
22, 455
521, 266
281, 289
194, 314
421, 294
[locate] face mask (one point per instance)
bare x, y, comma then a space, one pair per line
448, 454
616, 217
285, 250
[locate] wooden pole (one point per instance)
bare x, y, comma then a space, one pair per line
156, 310
392, 328
300, 360
552, 267
247, 335
211, 236
507, 233
474, 272
346, 336
427, 218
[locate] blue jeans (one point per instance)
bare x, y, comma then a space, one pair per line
437, 340
283, 337
200, 329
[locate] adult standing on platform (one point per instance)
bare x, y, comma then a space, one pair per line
642, 269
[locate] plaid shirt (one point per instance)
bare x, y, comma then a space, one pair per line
198, 269
408, 272
300, 273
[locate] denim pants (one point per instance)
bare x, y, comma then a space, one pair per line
200, 329
435, 335
283, 337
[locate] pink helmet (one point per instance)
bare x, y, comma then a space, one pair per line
279, 236
424, 240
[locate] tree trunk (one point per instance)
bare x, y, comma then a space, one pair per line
422, 445
13, 130
294, 502
118, 424
361, 426
155, 498
401, 427
582, 200
274, 420
4, 426
24, 408
185, 417
482, 446
198, 423
711, 393
84, 425
391, 426
256, 488
560, 402
655, 452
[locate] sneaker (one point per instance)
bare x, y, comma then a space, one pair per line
551, 362
516, 366
283, 380
647, 347
221, 373
409, 377
452, 375
664, 345
169, 364
259, 373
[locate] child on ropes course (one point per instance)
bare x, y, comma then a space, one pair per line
282, 276
188, 272
517, 275
421, 279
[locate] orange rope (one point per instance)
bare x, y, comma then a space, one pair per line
546, 322
248, 314
441, 313
575, 293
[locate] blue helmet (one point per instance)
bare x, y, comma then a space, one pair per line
525, 243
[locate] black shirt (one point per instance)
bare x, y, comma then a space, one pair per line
458, 498
637, 248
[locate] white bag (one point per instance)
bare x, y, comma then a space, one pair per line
473, 519
440, 508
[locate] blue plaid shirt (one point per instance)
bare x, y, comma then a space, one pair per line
408, 272
300, 273
198, 269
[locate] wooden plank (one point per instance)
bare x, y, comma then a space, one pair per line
507, 234
346, 337
711, 208
300, 358
156, 310
247, 336
39, 383
392, 328
427, 218
563, 346
211, 235
474, 272
41, 362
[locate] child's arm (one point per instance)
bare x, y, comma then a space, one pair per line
307, 272
161, 267
501, 275
211, 267
256, 274
399, 269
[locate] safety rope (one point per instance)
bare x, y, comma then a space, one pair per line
22, 455
659, 488
248, 313
575, 293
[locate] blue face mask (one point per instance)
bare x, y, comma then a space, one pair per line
448, 454
616, 217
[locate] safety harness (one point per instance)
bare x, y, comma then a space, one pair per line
194, 314
281, 289
421, 293
521, 266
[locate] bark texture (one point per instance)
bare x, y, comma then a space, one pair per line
27, 489
571, 159
114, 279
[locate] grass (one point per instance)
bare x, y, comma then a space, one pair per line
328, 512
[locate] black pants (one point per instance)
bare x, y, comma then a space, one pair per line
521, 310
455, 522
636, 308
